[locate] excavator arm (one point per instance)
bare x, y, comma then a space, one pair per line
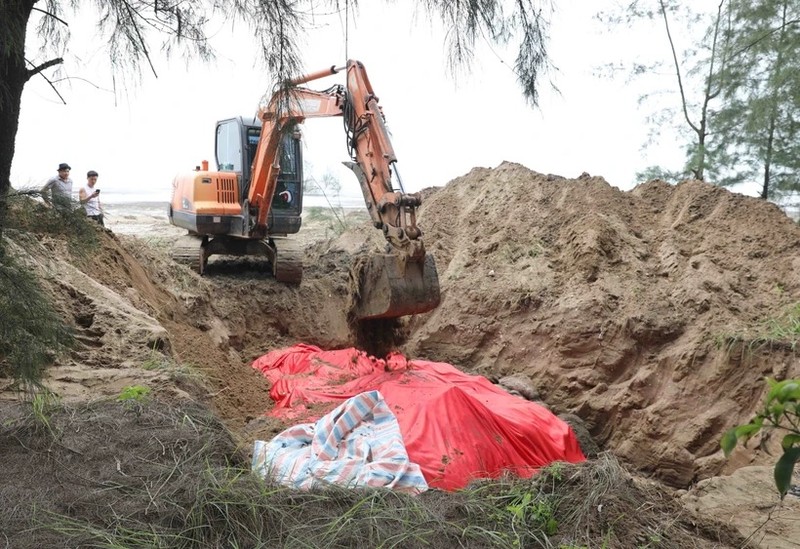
391, 209
398, 283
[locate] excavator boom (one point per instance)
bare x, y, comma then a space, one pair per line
392, 210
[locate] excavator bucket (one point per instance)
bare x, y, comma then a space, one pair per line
390, 286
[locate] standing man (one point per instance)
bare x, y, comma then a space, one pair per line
90, 198
60, 187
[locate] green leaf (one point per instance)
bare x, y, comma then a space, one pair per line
784, 469
790, 391
728, 441
776, 411
758, 420
774, 388
746, 431
790, 440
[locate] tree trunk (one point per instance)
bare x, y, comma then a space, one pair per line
765, 188
14, 15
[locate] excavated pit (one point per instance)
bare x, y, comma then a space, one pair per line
631, 309
641, 312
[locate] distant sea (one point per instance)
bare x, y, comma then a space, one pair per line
146, 214
155, 200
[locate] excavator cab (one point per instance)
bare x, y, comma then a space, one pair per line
235, 148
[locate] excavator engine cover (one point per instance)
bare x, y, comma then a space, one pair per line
390, 286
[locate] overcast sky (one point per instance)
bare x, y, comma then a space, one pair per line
442, 126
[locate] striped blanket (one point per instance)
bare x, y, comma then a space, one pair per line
358, 444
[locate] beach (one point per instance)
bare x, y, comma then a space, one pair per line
148, 220
143, 219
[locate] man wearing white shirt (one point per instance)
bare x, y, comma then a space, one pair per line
90, 198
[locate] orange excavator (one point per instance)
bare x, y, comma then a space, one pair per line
253, 201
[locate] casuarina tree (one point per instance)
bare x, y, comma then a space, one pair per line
136, 28
756, 136
737, 86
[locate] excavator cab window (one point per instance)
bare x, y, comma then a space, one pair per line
290, 180
253, 134
229, 146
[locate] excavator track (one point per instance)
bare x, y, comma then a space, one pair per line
188, 250
287, 265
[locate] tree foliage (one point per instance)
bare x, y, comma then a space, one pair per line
737, 85
691, 66
137, 28
756, 133
31, 331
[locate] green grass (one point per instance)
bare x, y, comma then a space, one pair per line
785, 327
779, 331
43, 404
333, 218
137, 393
557, 508
158, 362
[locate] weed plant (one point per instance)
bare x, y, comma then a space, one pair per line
565, 506
776, 332
334, 215
71, 224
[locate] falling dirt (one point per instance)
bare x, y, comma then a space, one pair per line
642, 313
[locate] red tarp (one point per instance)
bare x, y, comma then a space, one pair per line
456, 426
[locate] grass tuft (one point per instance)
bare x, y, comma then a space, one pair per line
595, 504
777, 332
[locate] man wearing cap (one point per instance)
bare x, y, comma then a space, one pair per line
90, 198
60, 187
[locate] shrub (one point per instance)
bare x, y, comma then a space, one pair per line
782, 412
31, 332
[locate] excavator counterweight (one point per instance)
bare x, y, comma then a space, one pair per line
254, 201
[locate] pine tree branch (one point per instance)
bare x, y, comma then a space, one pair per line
95, 86
677, 68
765, 36
139, 35
38, 70
711, 93
46, 65
54, 16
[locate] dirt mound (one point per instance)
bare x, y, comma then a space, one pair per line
633, 309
